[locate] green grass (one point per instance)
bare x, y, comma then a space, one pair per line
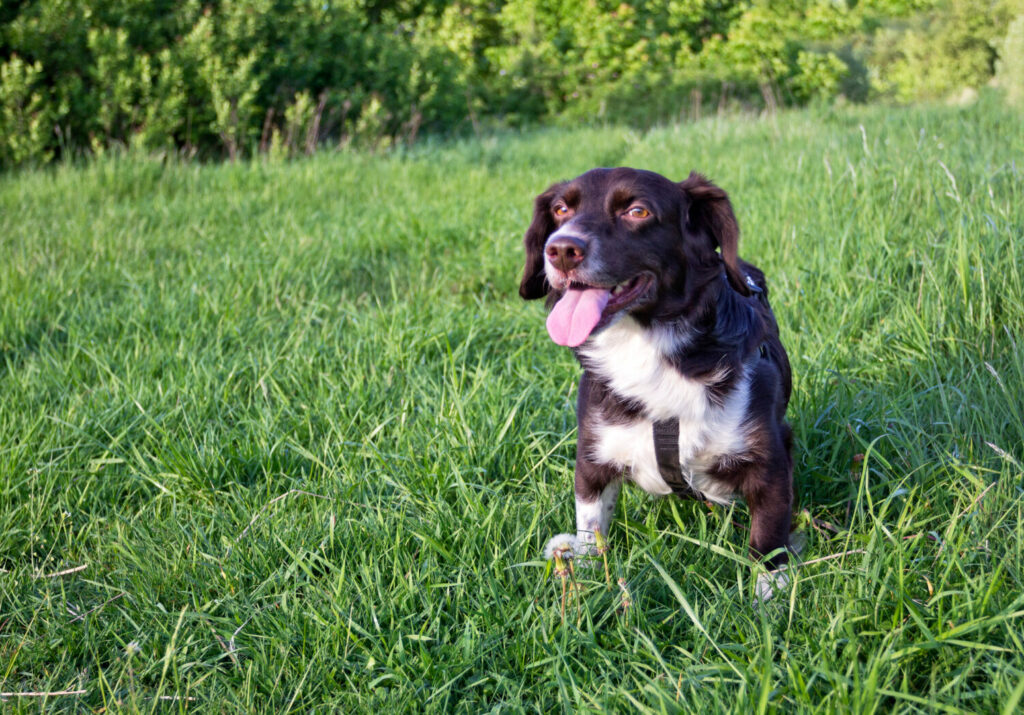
305, 444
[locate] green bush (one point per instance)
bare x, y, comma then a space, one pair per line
1010, 65
25, 116
940, 52
234, 77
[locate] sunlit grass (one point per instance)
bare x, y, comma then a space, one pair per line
299, 445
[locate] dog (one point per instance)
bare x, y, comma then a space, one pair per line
685, 381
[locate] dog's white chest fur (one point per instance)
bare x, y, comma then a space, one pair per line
631, 359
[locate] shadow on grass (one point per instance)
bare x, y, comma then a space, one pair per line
381, 274
917, 421
39, 334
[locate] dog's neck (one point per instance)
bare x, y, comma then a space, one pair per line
720, 319
637, 358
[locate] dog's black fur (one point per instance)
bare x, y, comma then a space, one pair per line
702, 313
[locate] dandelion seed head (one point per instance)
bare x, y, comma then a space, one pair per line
564, 545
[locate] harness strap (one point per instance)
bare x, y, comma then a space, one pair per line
666, 451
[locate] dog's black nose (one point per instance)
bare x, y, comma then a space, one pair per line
566, 252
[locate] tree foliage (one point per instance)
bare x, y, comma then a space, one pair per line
232, 77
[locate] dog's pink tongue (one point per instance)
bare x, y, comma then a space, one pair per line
576, 314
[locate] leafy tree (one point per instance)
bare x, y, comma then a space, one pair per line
230, 77
25, 116
1010, 65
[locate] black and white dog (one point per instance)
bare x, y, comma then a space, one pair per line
685, 382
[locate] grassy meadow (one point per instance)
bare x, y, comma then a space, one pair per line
281, 437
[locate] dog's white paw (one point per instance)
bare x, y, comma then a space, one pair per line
565, 547
768, 583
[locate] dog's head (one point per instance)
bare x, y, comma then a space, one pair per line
625, 240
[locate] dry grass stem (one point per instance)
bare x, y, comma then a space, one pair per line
822, 524
41, 694
65, 572
978, 499
820, 559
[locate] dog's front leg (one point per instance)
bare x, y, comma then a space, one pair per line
597, 491
597, 485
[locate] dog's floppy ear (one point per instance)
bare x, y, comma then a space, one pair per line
534, 284
709, 209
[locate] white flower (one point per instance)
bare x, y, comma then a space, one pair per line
564, 545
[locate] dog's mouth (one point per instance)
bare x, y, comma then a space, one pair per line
583, 308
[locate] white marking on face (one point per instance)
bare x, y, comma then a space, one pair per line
556, 279
567, 230
591, 264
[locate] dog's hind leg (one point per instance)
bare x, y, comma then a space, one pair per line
770, 516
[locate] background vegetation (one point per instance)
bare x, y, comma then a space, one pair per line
232, 77
280, 436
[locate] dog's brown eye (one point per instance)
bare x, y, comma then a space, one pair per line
638, 212
561, 210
